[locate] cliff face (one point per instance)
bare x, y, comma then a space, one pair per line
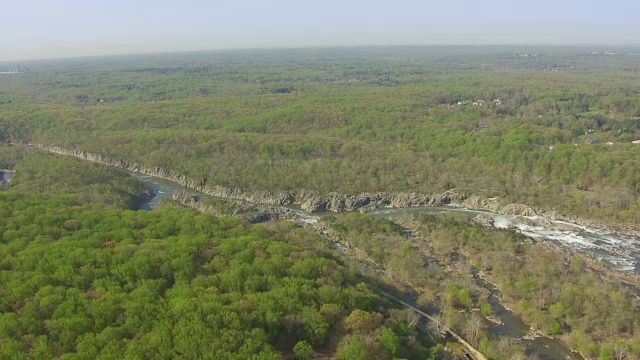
253, 213
312, 201
366, 202
262, 197
495, 206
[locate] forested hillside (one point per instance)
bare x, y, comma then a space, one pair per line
559, 295
84, 276
81, 277
543, 126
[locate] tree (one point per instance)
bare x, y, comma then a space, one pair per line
352, 348
474, 328
389, 340
303, 350
360, 321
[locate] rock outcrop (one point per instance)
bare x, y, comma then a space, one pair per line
253, 213
517, 209
484, 220
312, 201
367, 202
546, 223
262, 197
495, 206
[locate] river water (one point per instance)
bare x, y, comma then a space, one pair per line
545, 348
5, 176
162, 189
617, 251
513, 326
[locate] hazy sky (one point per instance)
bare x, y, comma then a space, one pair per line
58, 28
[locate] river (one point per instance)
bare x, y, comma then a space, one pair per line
514, 327
5, 176
162, 189
545, 348
593, 241
618, 251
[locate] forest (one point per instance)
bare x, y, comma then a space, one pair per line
557, 294
68, 234
84, 275
551, 127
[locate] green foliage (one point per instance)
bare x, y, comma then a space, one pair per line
553, 295
170, 283
390, 340
355, 120
11, 155
352, 349
79, 276
89, 183
485, 308
360, 321
605, 353
460, 296
555, 328
303, 350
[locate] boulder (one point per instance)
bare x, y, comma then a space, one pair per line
484, 220
517, 209
314, 204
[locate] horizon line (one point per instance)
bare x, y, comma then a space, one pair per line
309, 47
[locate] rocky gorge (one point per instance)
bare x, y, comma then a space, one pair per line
313, 201
309, 200
253, 213
259, 206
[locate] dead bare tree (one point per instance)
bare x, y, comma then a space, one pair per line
474, 328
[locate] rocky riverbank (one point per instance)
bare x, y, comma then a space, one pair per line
254, 213
546, 218
312, 201
367, 202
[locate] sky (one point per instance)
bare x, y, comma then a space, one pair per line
31, 29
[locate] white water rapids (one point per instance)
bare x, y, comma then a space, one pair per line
618, 251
